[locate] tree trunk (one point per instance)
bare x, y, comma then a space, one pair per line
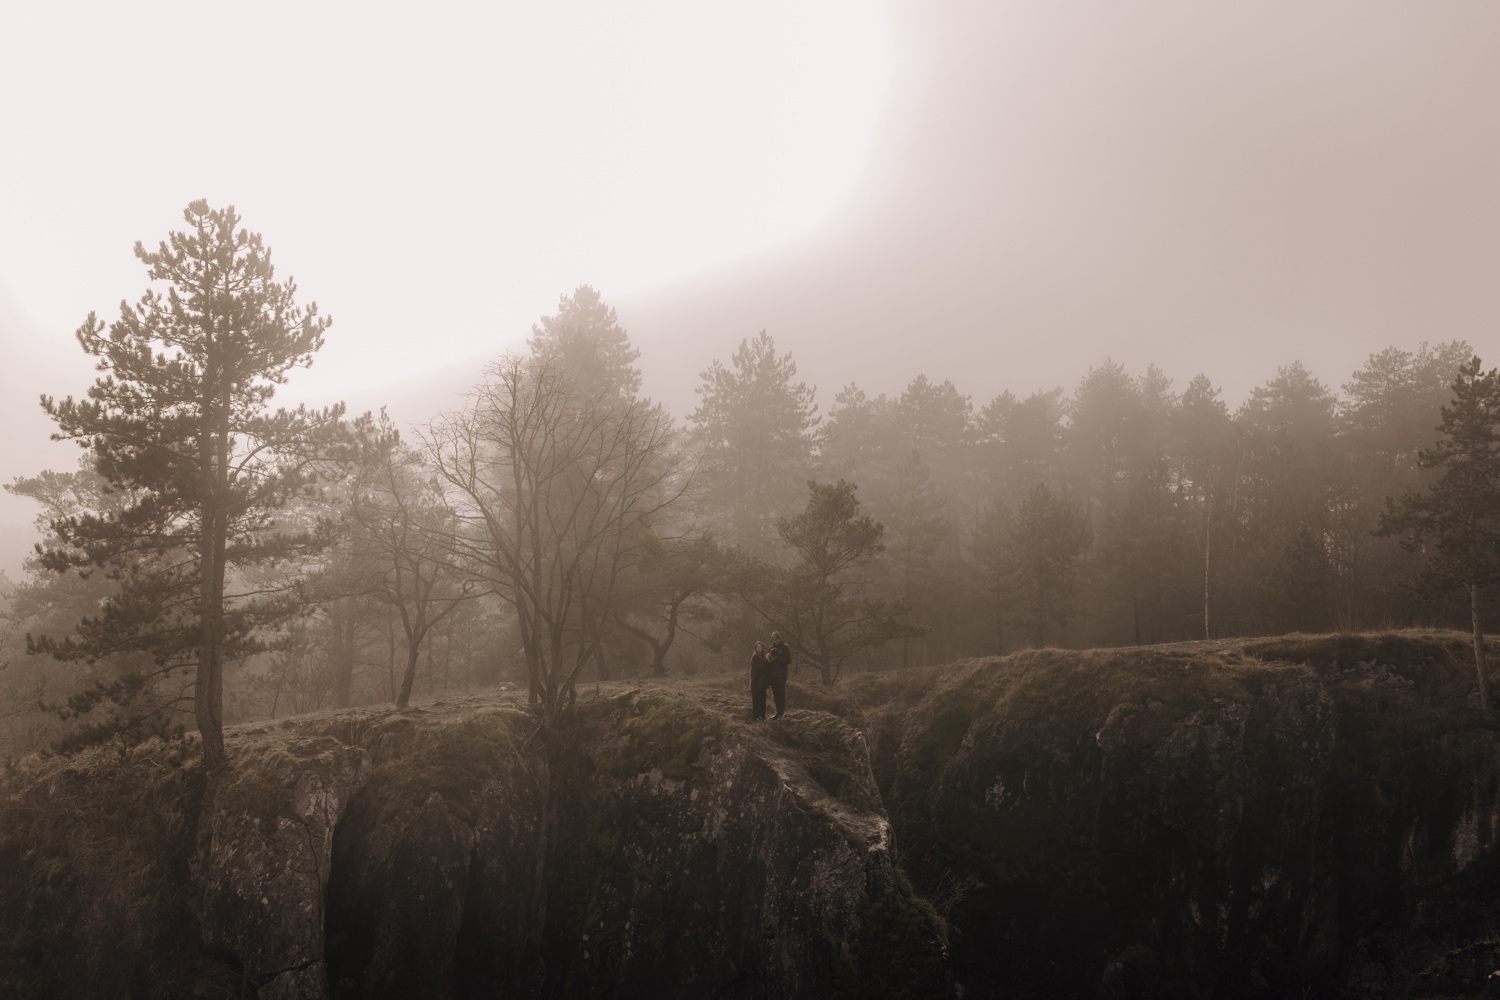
341, 617
447, 656
208, 685
409, 679
1207, 537
1480, 666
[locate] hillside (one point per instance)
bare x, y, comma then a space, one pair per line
1249, 818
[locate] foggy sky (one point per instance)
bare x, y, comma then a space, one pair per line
433, 178
1208, 187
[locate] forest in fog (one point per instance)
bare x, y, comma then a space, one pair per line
553, 527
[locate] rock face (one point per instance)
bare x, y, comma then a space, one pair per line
259, 875
665, 849
1297, 817
1305, 816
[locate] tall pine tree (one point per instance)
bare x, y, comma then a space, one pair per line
585, 341
1456, 521
179, 423
754, 430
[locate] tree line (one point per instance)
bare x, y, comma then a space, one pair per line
212, 559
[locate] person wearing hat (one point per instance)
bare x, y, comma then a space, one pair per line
778, 660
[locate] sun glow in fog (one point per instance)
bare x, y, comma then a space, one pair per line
432, 176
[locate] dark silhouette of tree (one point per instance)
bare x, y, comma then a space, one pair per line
1455, 523
180, 422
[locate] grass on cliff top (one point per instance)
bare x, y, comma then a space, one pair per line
452, 751
659, 729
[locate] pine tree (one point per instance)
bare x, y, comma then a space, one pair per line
916, 527
179, 423
1456, 521
1201, 435
822, 604
586, 342
857, 441
1048, 537
995, 568
1301, 585
1391, 405
754, 430
1020, 441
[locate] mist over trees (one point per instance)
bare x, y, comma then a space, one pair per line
212, 561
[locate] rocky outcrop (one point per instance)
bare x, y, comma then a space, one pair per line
706, 864
259, 874
662, 847
1301, 816
1304, 816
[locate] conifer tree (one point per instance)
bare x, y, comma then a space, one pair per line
1456, 521
754, 430
916, 526
179, 423
585, 341
1202, 433
822, 604
995, 569
1048, 537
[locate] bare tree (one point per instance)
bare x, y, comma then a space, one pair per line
405, 528
553, 492
669, 591
551, 488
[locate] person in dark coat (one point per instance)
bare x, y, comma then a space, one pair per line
759, 678
778, 660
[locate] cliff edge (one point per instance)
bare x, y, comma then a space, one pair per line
1293, 816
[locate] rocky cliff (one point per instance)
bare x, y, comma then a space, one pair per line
1305, 816
667, 847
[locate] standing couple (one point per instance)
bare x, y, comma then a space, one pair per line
768, 668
